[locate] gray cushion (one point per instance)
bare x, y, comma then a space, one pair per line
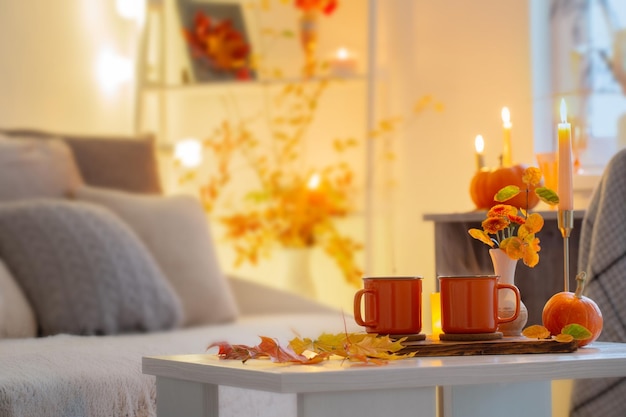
34, 169
83, 270
17, 318
176, 231
123, 162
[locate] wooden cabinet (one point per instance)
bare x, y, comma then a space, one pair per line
456, 252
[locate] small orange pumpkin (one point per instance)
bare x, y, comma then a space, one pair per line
572, 307
487, 182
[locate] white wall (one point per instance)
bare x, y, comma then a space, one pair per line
472, 56
475, 58
49, 51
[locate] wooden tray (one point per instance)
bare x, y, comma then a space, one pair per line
504, 346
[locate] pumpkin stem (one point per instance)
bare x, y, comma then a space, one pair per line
580, 284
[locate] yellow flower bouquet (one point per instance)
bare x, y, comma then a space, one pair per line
514, 230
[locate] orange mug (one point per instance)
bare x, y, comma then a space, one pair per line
469, 303
393, 305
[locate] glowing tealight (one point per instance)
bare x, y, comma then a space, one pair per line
343, 63
314, 181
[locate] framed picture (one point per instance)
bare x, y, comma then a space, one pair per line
217, 41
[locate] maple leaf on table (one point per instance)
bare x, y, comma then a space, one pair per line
282, 355
375, 349
361, 347
355, 347
268, 348
241, 352
334, 344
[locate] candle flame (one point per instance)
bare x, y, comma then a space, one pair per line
563, 111
479, 143
506, 116
314, 181
342, 53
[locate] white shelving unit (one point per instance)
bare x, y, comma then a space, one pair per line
165, 69
174, 110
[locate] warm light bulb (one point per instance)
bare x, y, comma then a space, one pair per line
479, 143
131, 9
113, 70
506, 117
314, 181
563, 111
189, 152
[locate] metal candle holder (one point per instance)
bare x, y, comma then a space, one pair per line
566, 224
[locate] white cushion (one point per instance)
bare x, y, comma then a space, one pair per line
31, 168
175, 230
17, 318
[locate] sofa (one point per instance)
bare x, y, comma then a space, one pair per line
99, 268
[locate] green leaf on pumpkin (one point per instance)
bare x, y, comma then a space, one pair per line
577, 331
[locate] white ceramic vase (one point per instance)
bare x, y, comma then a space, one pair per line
504, 266
297, 271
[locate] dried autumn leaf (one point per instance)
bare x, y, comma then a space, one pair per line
563, 338
241, 352
536, 331
279, 354
577, 331
268, 348
300, 345
334, 344
356, 347
381, 347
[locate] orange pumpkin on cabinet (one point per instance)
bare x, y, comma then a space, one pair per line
487, 182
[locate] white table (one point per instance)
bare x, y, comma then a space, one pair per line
489, 385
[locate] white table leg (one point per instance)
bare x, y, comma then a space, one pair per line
414, 402
177, 398
520, 399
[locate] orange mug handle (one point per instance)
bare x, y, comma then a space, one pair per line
357, 309
517, 303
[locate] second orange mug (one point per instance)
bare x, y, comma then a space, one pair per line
392, 305
469, 303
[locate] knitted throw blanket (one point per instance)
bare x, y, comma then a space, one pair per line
100, 376
602, 255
